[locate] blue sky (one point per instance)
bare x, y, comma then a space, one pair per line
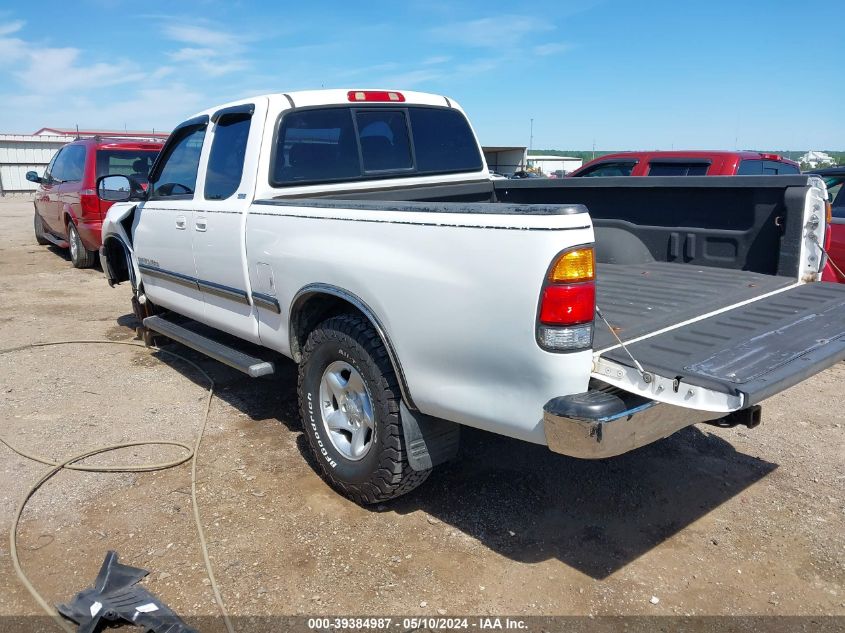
646, 74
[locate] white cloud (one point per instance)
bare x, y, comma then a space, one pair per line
65, 73
11, 27
552, 48
201, 36
492, 32
437, 59
211, 52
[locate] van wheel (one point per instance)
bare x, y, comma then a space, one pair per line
39, 230
349, 400
80, 257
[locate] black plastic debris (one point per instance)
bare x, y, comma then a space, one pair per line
115, 596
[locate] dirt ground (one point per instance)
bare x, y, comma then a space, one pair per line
709, 521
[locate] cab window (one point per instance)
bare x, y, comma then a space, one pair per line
677, 168
226, 159
614, 168
177, 176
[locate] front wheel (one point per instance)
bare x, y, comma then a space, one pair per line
80, 256
349, 399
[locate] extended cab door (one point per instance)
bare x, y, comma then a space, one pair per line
164, 223
224, 193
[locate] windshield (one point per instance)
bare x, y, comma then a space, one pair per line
134, 163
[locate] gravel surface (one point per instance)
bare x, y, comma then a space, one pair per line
709, 521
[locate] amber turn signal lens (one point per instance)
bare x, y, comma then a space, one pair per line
828, 212
574, 266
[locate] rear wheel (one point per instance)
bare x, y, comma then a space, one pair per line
80, 257
349, 399
39, 230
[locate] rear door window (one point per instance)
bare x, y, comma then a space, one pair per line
69, 165
774, 167
74, 166
673, 168
750, 167
226, 159
615, 168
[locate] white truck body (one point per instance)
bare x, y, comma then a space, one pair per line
452, 288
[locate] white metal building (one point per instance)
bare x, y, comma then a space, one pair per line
549, 164
20, 153
505, 160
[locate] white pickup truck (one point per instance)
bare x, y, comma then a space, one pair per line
360, 234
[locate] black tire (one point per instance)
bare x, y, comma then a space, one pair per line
38, 225
80, 256
383, 473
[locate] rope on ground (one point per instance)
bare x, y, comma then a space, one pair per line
71, 464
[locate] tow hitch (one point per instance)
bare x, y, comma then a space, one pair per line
750, 417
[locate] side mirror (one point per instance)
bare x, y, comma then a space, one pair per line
32, 176
114, 188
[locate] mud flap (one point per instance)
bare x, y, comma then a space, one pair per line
429, 441
753, 351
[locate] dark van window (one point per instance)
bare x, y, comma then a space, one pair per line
750, 167
443, 141
316, 145
226, 160
70, 164
677, 169
178, 173
616, 168
134, 163
384, 140
772, 167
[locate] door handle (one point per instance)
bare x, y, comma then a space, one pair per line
181, 222
201, 224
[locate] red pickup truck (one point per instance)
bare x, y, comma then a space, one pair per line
687, 163
68, 212
834, 178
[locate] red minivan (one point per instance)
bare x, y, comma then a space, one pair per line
687, 163
68, 212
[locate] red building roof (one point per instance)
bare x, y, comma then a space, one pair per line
60, 131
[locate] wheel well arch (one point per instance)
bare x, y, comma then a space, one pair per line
119, 261
315, 303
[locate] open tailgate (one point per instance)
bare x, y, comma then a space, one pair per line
749, 352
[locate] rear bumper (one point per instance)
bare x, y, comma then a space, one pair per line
608, 422
90, 232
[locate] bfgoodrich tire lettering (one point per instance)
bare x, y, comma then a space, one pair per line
383, 472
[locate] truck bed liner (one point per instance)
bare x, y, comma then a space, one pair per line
755, 350
643, 298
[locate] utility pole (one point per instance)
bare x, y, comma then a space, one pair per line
531, 137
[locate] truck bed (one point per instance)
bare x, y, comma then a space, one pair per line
638, 299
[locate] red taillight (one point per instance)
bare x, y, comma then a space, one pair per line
770, 156
568, 302
568, 305
89, 203
375, 95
